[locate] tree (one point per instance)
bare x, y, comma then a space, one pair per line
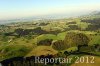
46, 42
59, 45
19, 31
75, 39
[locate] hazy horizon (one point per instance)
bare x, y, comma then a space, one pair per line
14, 9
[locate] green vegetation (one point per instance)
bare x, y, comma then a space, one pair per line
59, 45
13, 51
57, 37
75, 39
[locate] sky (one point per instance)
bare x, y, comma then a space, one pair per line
10, 9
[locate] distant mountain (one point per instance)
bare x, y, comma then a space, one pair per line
95, 13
